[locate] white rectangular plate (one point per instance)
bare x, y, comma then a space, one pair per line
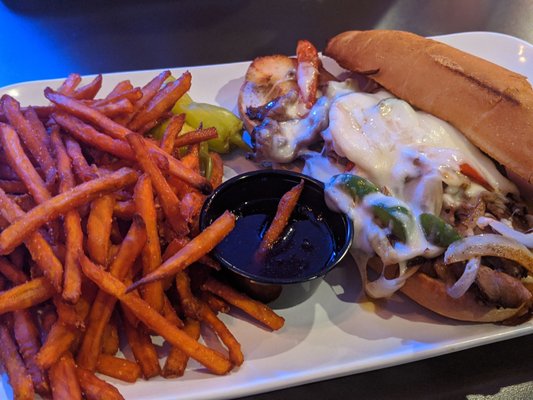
336, 331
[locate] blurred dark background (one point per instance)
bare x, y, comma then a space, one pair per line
41, 39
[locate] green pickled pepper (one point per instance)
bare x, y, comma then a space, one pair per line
228, 126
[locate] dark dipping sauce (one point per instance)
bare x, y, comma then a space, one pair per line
312, 244
304, 249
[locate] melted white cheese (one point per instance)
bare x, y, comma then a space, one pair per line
409, 154
392, 143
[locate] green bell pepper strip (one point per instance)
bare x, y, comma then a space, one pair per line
355, 185
438, 231
398, 216
228, 126
358, 187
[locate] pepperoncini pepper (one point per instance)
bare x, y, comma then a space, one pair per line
229, 127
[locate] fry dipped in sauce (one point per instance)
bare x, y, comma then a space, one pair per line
286, 206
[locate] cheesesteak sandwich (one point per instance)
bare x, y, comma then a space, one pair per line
397, 145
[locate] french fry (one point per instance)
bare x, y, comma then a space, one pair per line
72, 223
74, 244
176, 361
116, 108
172, 130
58, 341
117, 95
116, 235
192, 159
210, 358
110, 339
119, 368
132, 95
24, 129
214, 302
167, 198
191, 206
22, 165
176, 168
87, 113
143, 349
196, 248
13, 186
68, 314
187, 300
178, 243
160, 104
104, 303
95, 388
234, 348
38, 130
19, 379
63, 379
87, 134
253, 308
194, 308
25, 295
120, 88
124, 209
210, 262
117, 131
20, 229
11, 272
170, 313
27, 337
89, 90
151, 255
24, 201
149, 91
40, 250
195, 137
286, 205
69, 84
217, 171
99, 228
79, 164
129, 316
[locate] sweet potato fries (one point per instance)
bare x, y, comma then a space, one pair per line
99, 238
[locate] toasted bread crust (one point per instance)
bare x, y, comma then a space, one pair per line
431, 294
491, 105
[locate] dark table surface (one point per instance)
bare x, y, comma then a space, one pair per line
42, 39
